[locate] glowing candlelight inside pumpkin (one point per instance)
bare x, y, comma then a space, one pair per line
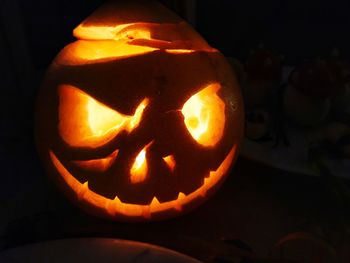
139, 168
170, 161
204, 115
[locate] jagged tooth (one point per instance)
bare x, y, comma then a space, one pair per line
113, 206
117, 203
83, 189
110, 207
178, 202
181, 196
154, 202
206, 180
116, 199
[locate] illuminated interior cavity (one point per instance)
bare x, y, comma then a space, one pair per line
139, 169
125, 31
97, 32
134, 32
85, 122
116, 207
98, 165
170, 161
179, 51
94, 50
112, 42
204, 115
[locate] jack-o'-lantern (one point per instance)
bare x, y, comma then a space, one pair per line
139, 119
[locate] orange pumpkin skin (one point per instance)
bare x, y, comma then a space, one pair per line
139, 119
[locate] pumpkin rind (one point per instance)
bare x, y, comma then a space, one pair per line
106, 176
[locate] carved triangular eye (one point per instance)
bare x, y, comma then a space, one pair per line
86, 122
204, 114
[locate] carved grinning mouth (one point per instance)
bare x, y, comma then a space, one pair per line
117, 207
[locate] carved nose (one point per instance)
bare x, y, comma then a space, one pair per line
139, 169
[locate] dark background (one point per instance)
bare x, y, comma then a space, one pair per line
296, 29
33, 32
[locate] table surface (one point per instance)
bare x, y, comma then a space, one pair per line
256, 207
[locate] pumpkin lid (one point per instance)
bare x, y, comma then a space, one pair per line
141, 22
121, 29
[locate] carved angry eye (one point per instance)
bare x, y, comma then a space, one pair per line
85, 122
204, 114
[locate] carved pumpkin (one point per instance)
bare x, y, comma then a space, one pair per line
139, 119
